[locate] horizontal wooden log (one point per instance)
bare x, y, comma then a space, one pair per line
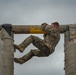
35, 29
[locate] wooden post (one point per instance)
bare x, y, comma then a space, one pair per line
70, 51
6, 52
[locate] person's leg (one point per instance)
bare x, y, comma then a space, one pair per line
24, 44
42, 50
34, 52
36, 41
39, 43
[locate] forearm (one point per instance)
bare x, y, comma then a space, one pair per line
47, 28
43, 26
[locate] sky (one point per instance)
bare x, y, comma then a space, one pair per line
36, 12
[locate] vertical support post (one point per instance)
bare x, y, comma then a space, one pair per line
70, 51
6, 51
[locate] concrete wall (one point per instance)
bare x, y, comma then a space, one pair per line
6, 54
70, 51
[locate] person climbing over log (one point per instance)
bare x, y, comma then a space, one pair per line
45, 46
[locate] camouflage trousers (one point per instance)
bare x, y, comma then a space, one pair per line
42, 50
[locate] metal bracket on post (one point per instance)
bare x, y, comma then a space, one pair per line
8, 28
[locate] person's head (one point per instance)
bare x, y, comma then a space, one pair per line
55, 25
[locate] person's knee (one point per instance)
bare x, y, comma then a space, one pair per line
43, 55
47, 54
31, 36
32, 51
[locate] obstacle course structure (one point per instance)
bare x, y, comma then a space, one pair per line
7, 49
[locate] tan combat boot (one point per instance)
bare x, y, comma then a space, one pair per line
21, 49
19, 60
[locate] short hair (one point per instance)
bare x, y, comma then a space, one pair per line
56, 23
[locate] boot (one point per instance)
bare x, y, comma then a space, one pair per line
18, 60
24, 59
21, 49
